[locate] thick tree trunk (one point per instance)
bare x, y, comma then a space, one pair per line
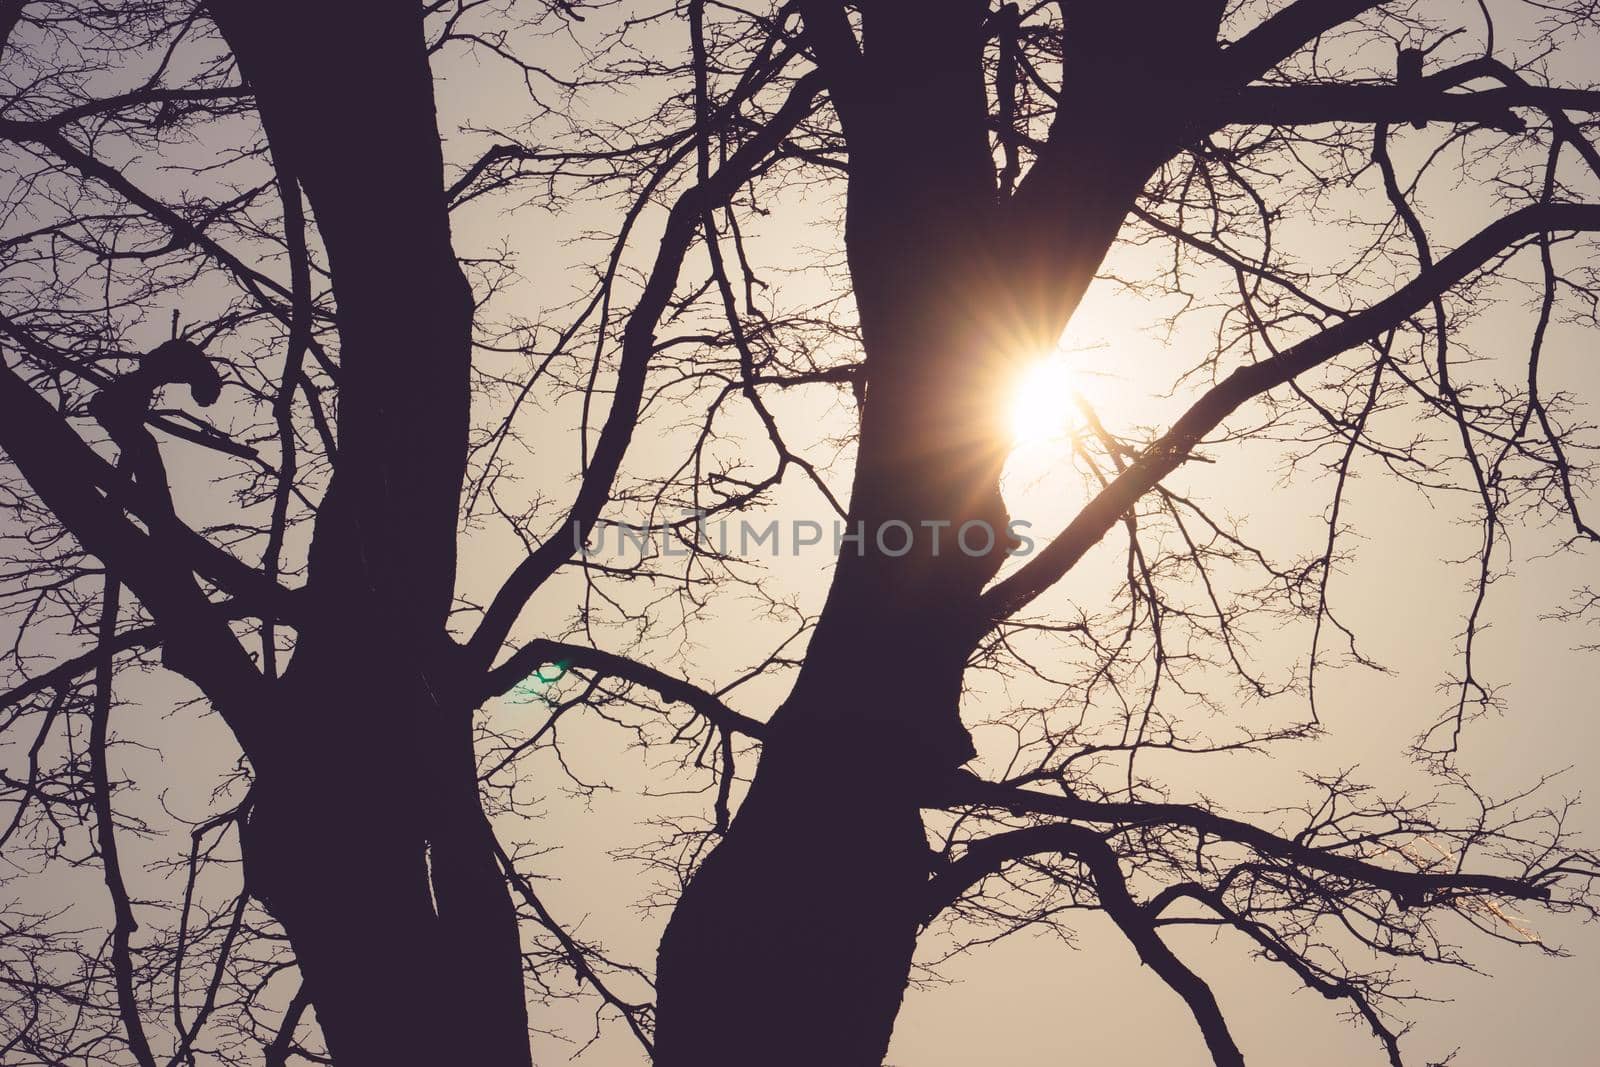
369, 847
792, 944
367, 840
349, 884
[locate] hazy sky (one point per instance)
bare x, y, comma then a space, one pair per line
1032, 999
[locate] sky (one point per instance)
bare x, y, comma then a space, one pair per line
1030, 998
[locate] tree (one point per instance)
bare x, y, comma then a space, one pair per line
327, 815
990, 157
994, 155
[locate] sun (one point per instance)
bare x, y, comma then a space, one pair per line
1043, 405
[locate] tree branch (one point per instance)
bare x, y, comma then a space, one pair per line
532, 656
989, 855
638, 345
1284, 34
123, 923
1408, 887
56, 463
1293, 105
63, 673
1173, 449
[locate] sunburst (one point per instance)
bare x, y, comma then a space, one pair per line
1043, 405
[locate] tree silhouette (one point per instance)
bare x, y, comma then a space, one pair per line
315, 567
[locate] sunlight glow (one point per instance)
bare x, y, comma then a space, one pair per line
1043, 407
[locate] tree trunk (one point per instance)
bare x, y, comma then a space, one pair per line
792, 944
369, 847
349, 885
367, 840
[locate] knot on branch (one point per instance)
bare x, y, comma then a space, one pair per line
1425, 93
125, 400
122, 405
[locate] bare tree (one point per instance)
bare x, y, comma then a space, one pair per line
296, 574
371, 410
992, 157
361, 830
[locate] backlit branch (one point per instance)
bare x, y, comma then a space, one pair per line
1175, 447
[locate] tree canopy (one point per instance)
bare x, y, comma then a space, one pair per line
862, 481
